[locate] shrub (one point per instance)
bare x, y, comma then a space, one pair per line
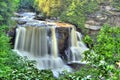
77, 12
105, 54
7, 7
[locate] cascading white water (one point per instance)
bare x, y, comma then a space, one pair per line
33, 43
73, 38
77, 47
54, 43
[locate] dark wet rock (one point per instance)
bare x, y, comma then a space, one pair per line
63, 39
77, 66
40, 17
21, 22
12, 33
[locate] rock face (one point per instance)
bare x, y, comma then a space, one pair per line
93, 25
114, 20
12, 34
63, 38
106, 14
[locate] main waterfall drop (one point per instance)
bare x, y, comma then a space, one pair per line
43, 44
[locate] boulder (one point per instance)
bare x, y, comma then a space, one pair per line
93, 25
114, 20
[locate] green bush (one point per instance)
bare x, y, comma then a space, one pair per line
115, 3
26, 4
77, 12
105, 54
23, 69
4, 50
7, 7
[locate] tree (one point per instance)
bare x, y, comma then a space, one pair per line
116, 3
78, 10
26, 4
49, 7
7, 7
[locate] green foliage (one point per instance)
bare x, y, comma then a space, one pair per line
26, 4
88, 41
79, 75
4, 45
116, 3
7, 7
50, 7
14, 67
105, 53
66, 8
25, 70
4, 49
1, 18
78, 10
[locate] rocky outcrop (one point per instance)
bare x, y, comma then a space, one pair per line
12, 33
93, 25
63, 38
106, 14
114, 20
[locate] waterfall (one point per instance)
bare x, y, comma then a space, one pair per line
54, 43
33, 43
40, 44
73, 37
75, 51
32, 40
17, 38
51, 44
79, 35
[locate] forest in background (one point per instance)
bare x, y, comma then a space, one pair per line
103, 62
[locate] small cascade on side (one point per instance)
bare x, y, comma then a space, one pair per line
73, 38
77, 47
